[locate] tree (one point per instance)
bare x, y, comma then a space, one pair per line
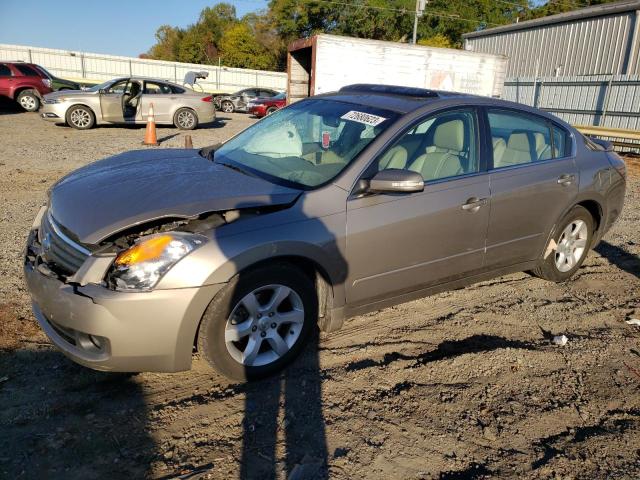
167, 43
438, 40
239, 48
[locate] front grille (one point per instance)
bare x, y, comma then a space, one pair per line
58, 250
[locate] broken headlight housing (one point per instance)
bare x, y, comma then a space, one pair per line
141, 266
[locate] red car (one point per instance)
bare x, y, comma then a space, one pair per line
24, 83
261, 107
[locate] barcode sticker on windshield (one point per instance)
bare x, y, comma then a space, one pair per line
361, 117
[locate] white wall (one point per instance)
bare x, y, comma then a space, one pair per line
98, 67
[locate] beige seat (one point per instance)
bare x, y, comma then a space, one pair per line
518, 151
442, 159
395, 157
543, 149
499, 146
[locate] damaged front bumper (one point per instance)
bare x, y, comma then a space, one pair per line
111, 330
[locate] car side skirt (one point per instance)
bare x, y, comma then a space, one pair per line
342, 313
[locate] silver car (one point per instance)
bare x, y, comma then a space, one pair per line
335, 206
127, 101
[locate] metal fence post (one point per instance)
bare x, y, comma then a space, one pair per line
30, 57
606, 101
175, 73
130, 69
82, 67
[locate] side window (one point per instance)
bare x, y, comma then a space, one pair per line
441, 146
26, 70
118, 87
154, 88
561, 143
266, 93
518, 139
4, 71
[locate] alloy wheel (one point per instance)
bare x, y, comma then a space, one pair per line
28, 102
571, 245
264, 325
80, 118
227, 107
186, 119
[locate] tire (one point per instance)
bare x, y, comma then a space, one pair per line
270, 110
185, 119
29, 100
227, 106
229, 305
562, 263
80, 117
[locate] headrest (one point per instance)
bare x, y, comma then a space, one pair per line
499, 142
450, 135
519, 141
540, 141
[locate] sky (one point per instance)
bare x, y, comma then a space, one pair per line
116, 27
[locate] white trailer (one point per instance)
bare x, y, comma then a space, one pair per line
325, 63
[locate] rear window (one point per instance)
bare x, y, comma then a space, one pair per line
561, 143
27, 70
175, 89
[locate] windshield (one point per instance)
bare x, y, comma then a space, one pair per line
308, 143
102, 86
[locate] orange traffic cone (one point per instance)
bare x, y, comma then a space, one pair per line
150, 137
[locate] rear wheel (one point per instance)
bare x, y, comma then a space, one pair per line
259, 322
185, 119
80, 117
572, 240
270, 110
29, 100
227, 106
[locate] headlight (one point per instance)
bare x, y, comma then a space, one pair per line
49, 101
143, 265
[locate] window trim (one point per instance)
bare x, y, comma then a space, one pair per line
478, 124
523, 113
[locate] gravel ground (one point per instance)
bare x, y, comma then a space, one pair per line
465, 384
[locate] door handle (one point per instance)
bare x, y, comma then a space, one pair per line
474, 204
565, 180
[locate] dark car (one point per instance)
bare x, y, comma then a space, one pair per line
57, 83
261, 107
238, 102
24, 83
334, 206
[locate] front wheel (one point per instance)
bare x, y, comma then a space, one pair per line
572, 241
29, 100
185, 119
80, 117
259, 322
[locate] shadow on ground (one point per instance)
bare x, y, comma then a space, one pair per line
619, 257
61, 421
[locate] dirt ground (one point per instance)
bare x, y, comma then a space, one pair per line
462, 385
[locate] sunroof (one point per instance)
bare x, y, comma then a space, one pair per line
390, 90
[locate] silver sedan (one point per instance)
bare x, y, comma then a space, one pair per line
127, 101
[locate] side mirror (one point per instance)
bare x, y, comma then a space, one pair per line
394, 180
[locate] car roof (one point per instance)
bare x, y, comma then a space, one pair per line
403, 100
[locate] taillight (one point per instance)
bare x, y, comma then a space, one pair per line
47, 82
207, 99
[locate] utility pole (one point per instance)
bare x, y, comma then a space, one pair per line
420, 6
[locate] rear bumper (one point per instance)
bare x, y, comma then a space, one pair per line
258, 110
119, 331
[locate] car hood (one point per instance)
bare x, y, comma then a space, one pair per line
67, 93
114, 194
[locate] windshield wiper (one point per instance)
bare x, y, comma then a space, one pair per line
238, 169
